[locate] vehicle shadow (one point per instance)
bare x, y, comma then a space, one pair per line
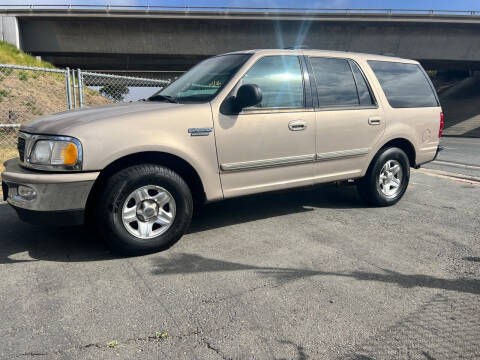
189, 264
263, 206
21, 242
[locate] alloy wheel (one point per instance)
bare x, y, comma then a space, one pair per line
148, 211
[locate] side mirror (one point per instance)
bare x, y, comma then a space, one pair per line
247, 95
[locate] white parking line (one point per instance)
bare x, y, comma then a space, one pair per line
463, 166
473, 180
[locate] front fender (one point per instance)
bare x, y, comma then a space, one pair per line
167, 131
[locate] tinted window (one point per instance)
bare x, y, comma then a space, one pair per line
335, 83
364, 94
280, 79
405, 85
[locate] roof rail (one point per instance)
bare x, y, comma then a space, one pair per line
297, 47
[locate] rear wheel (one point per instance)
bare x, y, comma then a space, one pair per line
143, 209
387, 178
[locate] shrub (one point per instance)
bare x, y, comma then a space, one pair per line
114, 91
22, 75
3, 94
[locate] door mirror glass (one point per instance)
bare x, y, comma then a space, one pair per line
248, 95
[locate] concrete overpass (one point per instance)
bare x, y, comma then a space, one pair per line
156, 38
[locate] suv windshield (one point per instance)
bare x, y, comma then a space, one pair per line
203, 81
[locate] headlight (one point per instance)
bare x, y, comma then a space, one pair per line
55, 153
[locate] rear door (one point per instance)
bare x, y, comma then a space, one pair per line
348, 119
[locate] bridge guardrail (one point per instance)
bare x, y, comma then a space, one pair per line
193, 8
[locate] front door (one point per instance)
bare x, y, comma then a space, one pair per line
348, 119
271, 145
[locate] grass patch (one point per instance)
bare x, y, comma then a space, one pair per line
28, 94
112, 344
22, 75
6, 72
3, 93
9, 54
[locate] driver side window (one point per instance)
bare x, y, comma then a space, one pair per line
279, 79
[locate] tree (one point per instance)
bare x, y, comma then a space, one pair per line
115, 92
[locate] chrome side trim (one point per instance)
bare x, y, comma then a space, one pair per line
257, 164
254, 111
341, 154
292, 160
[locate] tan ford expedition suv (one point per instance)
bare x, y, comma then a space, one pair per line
235, 124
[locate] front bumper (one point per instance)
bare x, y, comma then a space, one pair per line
58, 198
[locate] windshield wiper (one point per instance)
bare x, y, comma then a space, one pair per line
159, 97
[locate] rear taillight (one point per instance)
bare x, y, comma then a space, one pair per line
440, 131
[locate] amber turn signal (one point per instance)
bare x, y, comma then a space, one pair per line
70, 154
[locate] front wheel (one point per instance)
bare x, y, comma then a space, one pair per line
143, 209
387, 178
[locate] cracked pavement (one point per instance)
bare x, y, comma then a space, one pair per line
309, 274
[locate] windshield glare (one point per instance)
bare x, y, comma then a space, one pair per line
203, 81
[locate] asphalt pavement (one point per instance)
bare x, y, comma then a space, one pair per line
311, 274
459, 155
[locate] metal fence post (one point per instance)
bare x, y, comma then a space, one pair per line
80, 87
68, 88
74, 90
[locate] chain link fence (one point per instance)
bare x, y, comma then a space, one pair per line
114, 88
28, 92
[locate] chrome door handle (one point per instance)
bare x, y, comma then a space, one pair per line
296, 125
374, 120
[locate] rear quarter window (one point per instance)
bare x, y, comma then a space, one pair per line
404, 85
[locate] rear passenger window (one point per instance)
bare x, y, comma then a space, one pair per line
335, 82
364, 95
404, 85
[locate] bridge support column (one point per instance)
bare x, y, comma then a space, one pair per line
9, 31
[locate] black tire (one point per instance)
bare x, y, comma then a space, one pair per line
109, 205
367, 186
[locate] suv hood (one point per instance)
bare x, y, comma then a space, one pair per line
62, 123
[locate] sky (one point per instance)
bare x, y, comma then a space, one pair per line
377, 4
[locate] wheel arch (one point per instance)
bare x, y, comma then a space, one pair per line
173, 162
401, 143
404, 144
